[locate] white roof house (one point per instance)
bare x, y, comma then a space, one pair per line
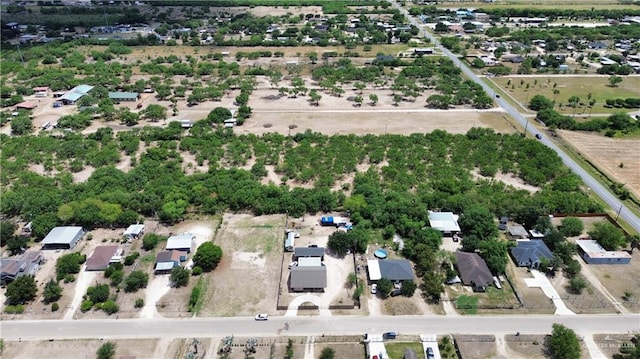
62, 238
181, 242
374, 269
445, 222
134, 231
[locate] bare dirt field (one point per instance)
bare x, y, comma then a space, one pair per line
534, 300
609, 275
59, 349
477, 346
616, 157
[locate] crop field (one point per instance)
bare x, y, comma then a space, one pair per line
616, 157
523, 88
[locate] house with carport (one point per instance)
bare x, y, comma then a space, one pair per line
167, 260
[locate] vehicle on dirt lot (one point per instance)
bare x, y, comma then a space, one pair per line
374, 288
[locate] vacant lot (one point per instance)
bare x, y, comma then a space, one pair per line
618, 158
523, 88
534, 300
140, 348
608, 274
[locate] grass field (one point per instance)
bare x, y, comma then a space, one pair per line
597, 86
396, 350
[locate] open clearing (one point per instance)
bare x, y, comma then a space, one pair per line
581, 86
607, 154
607, 275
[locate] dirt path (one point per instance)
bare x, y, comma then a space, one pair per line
82, 283
158, 287
373, 304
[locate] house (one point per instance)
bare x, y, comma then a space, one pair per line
101, 257
395, 270
75, 94
423, 51
182, 242
531, 253
302, 252
167, 260
473, 271
517, 231
592, 253
309, 261
123, 96
42, 91
134, 231
308, 278
445, 222
290, 242
14, 267
62, 238
26, 105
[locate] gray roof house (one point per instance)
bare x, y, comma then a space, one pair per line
63, 238
393, 269
311, 279
167, 260
473, 270
530, 253
27, 264
301, 252
124, 96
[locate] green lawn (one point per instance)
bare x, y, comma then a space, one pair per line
580, 86
468, 304
396, 350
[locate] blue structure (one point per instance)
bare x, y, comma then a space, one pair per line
530, 253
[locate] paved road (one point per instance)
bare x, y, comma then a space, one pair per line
313, 326
600, 190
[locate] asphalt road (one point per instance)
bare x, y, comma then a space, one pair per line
312, 326
595, 186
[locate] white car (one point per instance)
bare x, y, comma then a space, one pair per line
262, 317
293, 264
374, 288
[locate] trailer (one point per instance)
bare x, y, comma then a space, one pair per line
334, 221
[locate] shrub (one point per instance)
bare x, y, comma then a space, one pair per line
110, 307
136, 280
14, 309
128, 260
197, 270
150, 240
576, 285
139, 303
179, 277
86, 305
55, 306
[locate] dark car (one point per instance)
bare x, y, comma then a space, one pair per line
395, 293
538, 136
389, 335
497, 96
430, 354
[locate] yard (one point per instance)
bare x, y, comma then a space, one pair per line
523, 88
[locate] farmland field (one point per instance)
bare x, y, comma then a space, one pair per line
581, 86
616, 157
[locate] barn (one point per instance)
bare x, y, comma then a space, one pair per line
63, 238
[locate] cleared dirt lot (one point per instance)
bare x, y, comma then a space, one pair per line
609, 277
61, 349
608, 154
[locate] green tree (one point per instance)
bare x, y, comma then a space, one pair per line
106, 351
180, 277
539, 102
315, 97
155, 112
577, 284
629, 350
98, 293
614, 80
433, 285
150, 240
409, 288
327, 353
478, 221
384, 287
52, 291
21, 290
571, 227
207, 256
69, 264
608, 235
563, 343
17, 244
136, 280
373, 98
621, 121
7, 230
218, 115
21, 125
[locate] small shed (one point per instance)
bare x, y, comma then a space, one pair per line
517, 231
290, 242
134, 231
63, 238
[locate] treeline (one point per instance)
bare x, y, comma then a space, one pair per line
423, 171
558, 13
227, 3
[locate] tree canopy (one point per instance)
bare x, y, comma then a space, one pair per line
21, 290
608, 235
207, 256
563, 343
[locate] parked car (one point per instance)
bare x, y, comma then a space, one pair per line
538, 136
293, 264
374, 288
395, 293
313, 246
389, 335
430, 354
262, 317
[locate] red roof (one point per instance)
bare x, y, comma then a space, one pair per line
100, 258
41, 89
27, 105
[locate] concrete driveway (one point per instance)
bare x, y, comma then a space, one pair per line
541, 281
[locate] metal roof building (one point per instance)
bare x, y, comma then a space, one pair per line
63, 238
75, 93
300, 252
593, 253
392, 269
134, 231
124, 96
445, 222
181, 242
